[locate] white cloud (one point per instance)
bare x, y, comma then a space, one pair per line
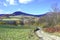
11, 2
14, 2
5, 4
25, 1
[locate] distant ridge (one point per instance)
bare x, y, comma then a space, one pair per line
1, 14
26, 14
21, 13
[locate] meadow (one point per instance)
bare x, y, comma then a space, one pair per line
11, 32
8, 32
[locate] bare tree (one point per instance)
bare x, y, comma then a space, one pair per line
53, 17
55, 13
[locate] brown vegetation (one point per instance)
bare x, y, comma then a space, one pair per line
52, 29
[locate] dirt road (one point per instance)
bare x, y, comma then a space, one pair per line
45, 36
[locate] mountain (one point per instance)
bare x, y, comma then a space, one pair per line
5, 14
21, 13
1, 14
26, 14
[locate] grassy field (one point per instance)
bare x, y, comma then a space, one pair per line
16, 33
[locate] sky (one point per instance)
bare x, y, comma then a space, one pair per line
35, 7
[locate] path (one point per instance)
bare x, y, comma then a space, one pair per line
45, 36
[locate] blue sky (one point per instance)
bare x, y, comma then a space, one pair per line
35, 7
